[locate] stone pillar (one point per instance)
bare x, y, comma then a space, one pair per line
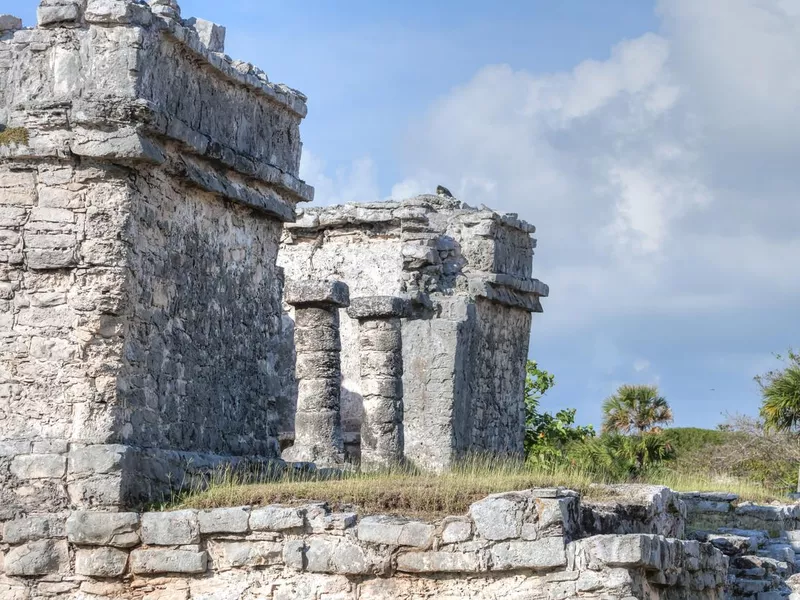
318, 420
381, 358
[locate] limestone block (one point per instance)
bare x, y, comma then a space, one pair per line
304, 293
386, 387
33, 528
313, 318
439, 562
456, 529
318, 365
224, 520
499, 517
101, 562
374, 307
320, 339
10, 23
294, 554
179, 527
246, 554
212, 36
157, 561
43, 557
318, 395
632, 550
381, 364
39, 466
90, 528
341, 556
39, 259
117, 11
56, 12
547, 553
276, 518
98, 459
557, 516
395, 531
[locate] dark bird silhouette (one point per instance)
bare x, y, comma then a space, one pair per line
443, 192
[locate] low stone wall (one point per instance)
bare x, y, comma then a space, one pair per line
761, 541
512, 546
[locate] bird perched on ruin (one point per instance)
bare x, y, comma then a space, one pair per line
443, 192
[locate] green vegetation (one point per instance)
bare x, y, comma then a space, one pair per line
635, 410
548, 436
780, 391
13, 136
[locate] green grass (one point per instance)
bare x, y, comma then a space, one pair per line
427, 495
14, 135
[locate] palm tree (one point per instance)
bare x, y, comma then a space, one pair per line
780, 391
635, 410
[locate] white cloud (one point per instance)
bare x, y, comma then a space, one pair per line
356, 182
661, 180
641, 364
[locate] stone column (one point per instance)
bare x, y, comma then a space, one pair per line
318, 421
381, 357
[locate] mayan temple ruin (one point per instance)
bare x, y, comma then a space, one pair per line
169, 308
149, 207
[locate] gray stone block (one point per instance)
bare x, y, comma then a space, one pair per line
548, 553
89, 528
499, 517
378, 307
246, 554
100, 459
395, 531
101, 562
39, 466
170, 528
44, 557
117, 11
212, 36
33, 528
439, 562
456, 529
66, 13
224, 520
337, 555
314, 293
160, 561
276, 518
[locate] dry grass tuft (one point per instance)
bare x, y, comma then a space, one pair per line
427, 495
14, 136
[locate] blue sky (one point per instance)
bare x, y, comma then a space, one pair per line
653, 144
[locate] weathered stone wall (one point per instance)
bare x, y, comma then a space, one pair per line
761, 541
467, 274
140, 214
515, 545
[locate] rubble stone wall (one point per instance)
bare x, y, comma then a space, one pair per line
515, 545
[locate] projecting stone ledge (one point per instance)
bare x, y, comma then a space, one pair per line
379, 307
310, 293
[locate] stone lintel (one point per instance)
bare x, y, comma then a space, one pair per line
311, 293
379, 307
10, 23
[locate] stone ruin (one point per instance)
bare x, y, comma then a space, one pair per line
148, 222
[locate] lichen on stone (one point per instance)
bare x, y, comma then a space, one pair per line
14, 136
